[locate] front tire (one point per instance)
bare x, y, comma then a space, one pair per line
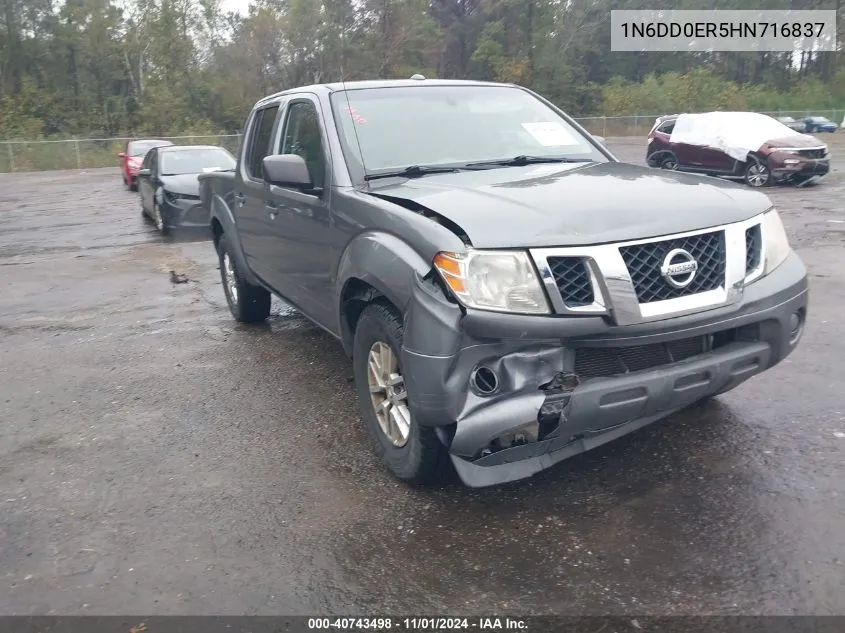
158, 220
247, 303
757, 173
412, 452
145, 215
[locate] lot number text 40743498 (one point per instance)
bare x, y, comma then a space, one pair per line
419, 624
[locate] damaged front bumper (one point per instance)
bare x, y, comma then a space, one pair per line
512, 395
803, 173
184, 212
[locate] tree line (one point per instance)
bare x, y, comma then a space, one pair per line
132, 67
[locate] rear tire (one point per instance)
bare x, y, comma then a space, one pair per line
247, 303
416, 456
669, 163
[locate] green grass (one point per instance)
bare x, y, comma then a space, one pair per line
83, 154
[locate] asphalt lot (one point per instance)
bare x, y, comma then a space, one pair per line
157, 458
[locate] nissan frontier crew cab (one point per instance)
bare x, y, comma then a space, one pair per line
509, 292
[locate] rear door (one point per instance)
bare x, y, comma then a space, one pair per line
251, 196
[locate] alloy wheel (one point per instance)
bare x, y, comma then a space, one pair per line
757, 175
387, 394
229, 279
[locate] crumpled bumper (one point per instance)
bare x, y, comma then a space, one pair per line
569, 384
185, 213
815, 169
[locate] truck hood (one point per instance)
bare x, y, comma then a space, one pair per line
575, 204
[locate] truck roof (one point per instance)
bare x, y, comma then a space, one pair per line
327, 88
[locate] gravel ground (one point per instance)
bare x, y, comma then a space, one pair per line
156, 457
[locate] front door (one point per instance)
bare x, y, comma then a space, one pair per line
300, 219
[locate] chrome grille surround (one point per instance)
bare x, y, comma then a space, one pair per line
613, 290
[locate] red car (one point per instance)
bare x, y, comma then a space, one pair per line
131, 159
745, 146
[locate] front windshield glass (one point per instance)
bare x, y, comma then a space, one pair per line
140, 148
195, 161
451, 125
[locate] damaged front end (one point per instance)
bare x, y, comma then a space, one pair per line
513, 394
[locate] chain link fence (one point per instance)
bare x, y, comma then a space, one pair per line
92, 153
88, 153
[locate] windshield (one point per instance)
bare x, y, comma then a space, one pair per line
195, 161
140, 148
451, 125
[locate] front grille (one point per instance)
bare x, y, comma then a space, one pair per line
753, 248
812, 153
572, 280
599, 362
644, 262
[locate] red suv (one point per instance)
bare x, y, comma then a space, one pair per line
720, 144
131, 159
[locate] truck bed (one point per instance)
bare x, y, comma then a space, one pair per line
217, 183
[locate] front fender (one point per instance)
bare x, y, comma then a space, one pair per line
221, 212
382, 261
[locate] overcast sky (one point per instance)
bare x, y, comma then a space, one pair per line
235, 5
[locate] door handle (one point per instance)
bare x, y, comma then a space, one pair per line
239, 198
272, 209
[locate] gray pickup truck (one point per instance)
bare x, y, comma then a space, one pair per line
509, 292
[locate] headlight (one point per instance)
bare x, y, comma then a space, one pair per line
503, 281
775, 243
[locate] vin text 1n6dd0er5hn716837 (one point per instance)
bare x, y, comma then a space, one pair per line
510, 294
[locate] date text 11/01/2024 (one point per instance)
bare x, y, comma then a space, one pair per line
420, 624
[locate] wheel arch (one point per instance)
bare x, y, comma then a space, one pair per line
374, 266
222, 221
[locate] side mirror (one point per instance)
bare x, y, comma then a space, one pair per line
143, 173
121, 155
287, 170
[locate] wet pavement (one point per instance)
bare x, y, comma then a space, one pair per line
156, 457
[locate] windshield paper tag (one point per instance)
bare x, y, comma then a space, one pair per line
550, 133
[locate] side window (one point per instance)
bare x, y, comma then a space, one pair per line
259, 143
147, 160
667, 127
153, 156
302, 137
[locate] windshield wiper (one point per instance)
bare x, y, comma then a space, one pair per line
414, 171
519, 161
